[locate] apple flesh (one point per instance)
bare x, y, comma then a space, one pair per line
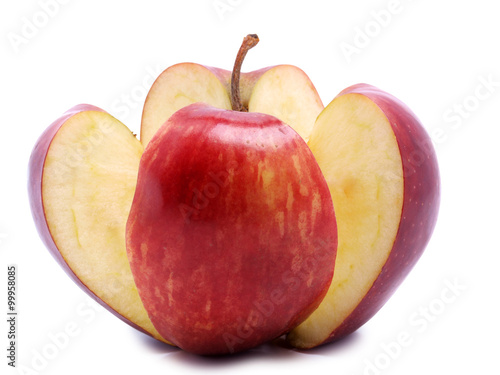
383, 177
231, 236
82, 177
283, 91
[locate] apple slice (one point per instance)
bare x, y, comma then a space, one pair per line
286, 92
283, 91
383, 177
82, 178
177, 87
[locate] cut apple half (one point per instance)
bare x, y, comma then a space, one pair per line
82, 178
383, 178
283, 91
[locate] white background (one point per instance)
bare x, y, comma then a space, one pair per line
435, 56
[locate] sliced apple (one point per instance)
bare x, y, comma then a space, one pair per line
82, 178
383, 177
177, 87
283, 91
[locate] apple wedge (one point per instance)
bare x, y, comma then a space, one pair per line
177, 87
82, 178
383, 178
283, 91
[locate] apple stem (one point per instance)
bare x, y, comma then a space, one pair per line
249, 42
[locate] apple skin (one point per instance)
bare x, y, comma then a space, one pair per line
223, 257
35, 173
420, 206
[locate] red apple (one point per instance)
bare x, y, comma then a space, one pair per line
231, 235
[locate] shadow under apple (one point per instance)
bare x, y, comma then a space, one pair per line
276, 350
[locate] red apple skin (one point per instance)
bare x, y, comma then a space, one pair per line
214, 269
35, 174
420, 205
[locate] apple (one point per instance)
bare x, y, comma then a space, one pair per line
82, 177
217, 232
231, 235
383, 176
378, 161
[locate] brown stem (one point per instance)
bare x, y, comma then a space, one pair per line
249, 42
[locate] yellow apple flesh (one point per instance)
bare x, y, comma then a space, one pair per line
82, 178
383, 177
